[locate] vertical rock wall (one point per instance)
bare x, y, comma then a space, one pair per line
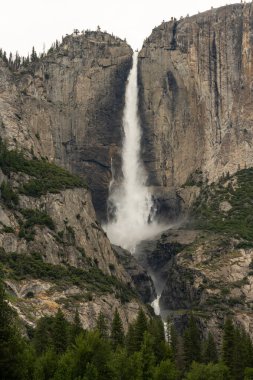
196, 102
68, 107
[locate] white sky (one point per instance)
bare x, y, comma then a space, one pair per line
27, 23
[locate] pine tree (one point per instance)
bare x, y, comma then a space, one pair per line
76, 327
45, 365
147, 356
173, 339
208, 372
241, 359
192, 344
101, 326
60, 336
140, 327
180, 354
249, 350
248, 374
11, 343
43, 335
228, 344
210, 354
166, 370
156, 329
5, 59
117, 332
130, 339
34, 56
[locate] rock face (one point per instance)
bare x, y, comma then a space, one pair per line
54, 254
202, 274
33, 299
68, 107
142, 281
195, 77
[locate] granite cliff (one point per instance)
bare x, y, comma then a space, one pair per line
195, 77
195, 81
53, 251
64, 109
67, 107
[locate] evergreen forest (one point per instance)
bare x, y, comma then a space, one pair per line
59, 350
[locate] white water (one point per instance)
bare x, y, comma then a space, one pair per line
156, 306
132, 199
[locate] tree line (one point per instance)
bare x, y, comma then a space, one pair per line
15, 61
59, 350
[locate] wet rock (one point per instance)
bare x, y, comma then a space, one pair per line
141, 280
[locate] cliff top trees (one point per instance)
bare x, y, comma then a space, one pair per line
34, 56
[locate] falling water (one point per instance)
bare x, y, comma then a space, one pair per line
156, 306
132, 200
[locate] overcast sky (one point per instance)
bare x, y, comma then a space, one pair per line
27, 23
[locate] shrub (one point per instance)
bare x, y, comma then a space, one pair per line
8, 195
24, 266
34, 217
238, 221
48, 177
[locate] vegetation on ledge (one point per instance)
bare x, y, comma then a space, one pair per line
46, 177
20, 266
227, 207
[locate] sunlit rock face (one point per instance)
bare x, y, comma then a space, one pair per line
195, 78
68, 107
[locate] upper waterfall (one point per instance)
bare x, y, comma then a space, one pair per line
132, 199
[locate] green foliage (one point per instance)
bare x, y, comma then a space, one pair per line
8, 229
166, 370
47, 177
101, 326
208, 372
45, 365
77, 327
12, 346
136, 332
42, 339
55, 353
89, 358
21, 266
59, 333
117, 331
237, 350
192, 343
248, 374
210, 354
156, 329
8, 195
147, 356
238, 221
36, 217
228, 344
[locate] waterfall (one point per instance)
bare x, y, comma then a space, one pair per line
131, 200
156, 306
